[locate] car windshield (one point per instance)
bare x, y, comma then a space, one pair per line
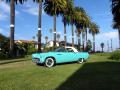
60, 50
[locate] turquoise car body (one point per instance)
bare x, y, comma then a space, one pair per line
59, 57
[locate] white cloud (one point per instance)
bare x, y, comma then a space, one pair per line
4, 7
32, 8
1, 30
111, 34
5, 11
103, 14
108, 35
59, 32
3, 17
33, 11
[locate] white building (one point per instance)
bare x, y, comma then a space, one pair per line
51, 44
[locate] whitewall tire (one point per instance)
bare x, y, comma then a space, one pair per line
49, 62
81, 60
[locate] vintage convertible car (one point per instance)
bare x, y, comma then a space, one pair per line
60, 55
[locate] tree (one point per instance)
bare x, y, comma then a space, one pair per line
76, 35
39, 23
86, 25
46, 39
83, 38
88, 46
79, 22
116, 16
4, 46
94, 29
66, 16
102, 46
71, 17
12, 22
3, 41
54, 8
58, 37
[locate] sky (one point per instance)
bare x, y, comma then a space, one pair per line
26, 22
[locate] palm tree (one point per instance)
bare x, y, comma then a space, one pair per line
79, 22
86, 23
116, 16
46, 39
83, 38
94, 29
50, 30
58, 37
12, 22
66, 16
76, 35
102, 46
39, 23
72, 22
54, 8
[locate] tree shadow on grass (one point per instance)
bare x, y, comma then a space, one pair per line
13, 61
94, 76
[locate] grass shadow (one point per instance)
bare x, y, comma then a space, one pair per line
94, 76
13, 61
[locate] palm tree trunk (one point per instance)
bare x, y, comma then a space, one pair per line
79, 41
93, 43
72, 35
54, 31
86, 35
39, 26
65, 33
12, 23
83, 39
119, 37
76, 38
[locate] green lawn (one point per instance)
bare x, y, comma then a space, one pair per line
97, 74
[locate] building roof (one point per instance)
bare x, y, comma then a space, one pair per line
25, 41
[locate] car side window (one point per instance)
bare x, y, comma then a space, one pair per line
69, 50
61, 50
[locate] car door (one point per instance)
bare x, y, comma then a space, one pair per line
63, 56
73, 55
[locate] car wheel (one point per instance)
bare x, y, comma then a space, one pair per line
81, 60
49, 62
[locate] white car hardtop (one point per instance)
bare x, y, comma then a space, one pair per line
71, 48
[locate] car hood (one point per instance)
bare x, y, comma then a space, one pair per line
40, 54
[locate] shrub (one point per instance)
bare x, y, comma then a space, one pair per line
89, 46
115, 55
4, 55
